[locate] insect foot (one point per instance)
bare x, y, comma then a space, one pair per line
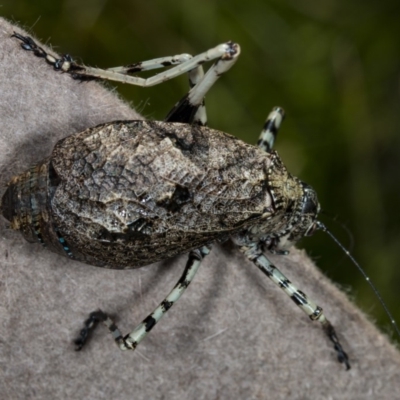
126, 194
130, 341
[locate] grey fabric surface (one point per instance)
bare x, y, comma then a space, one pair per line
233, 335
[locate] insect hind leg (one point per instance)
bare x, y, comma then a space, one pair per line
190, 109
270, 130
299, 298
131, 340
118, 74
64, 63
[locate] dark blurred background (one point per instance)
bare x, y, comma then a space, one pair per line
333, 65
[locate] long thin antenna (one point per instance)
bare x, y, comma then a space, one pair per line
323, 228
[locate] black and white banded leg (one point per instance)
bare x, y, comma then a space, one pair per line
308, 306
191, 108
254, 253
200, 117
272, 124
131, 340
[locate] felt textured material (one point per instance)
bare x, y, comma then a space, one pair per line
233, 335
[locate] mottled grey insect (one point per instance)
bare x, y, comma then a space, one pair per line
128, 193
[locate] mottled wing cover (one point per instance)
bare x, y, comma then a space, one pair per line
134, 192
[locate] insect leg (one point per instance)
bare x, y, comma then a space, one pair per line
270, 130
200, 118
195, 76
131, 340
189, 108
183, 63
308, 306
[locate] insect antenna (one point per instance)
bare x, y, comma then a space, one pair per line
334, 218
322, 227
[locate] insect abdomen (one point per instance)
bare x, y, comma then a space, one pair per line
26, 205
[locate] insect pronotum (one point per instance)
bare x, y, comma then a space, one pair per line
125, 194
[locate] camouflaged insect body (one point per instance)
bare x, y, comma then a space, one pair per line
126, 194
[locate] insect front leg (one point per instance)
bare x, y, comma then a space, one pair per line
270, 130
300, 299
131, 340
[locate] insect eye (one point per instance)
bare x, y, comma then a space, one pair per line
310, 202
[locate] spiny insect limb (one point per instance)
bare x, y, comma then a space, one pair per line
131, 340
225, 52
191, 108
64, 63
254, 253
